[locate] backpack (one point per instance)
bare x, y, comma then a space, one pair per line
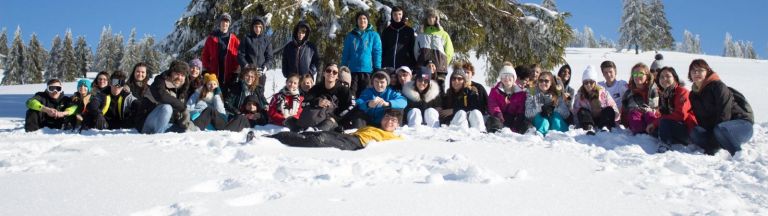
741, 101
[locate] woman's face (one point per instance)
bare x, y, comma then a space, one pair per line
507, 81
544, 83
102, 81
403, 77
292, 84
82, 89
211, 85
307, 84
666, 79
249, 78
457, 83
194, 72
589, 85
640, 77
698, 74
422, 84
140, 74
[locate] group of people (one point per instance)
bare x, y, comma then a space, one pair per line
374, 90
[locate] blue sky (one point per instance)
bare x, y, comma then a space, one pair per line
745, 19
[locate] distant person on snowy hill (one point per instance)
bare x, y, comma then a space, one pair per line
220, 52
724, 115
47, 108
355, 141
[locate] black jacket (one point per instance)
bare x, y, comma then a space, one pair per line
300, 57
255, 50
338, 95
397, 41
163, 92
422, 100
237, 94
714, 103
482, 95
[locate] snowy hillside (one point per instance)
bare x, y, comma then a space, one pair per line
445, 171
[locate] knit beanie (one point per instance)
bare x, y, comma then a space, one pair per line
658, 63
84, 82
589, 74
508, 71
196, 63
208, 77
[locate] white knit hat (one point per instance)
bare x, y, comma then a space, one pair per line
589, 74
508, 71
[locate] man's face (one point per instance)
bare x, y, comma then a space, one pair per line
116, 89
301, 33
609, 74
224, 26
379, 85
389, 123
177, 78
397, 16
403, 77
54, 90
258, 28
432, 20
362, 22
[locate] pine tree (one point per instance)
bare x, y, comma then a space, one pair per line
150, 56
15, 64
549, 4
52, 65
3, 47
729, 46
132, 54
589, 38
661, 31
116, 49
635, 25
697, 45
35, 61
84, 56
68, 69
102, 60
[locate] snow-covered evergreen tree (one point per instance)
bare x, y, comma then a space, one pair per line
697, 45
589, 38
103, 62
15, 61
35, 61
661, 31
150, 55
635, 25
54, 57
84, 56
549, 4
3, 47
132, 54
578, 40
116, 49
749, 50
68, 69
729, 48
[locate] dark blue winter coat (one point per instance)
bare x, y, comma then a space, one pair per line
362, 50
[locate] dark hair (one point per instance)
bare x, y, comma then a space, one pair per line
562, 70
105, 73
607, 64
293, 75
674, 75
649, 76
394, 113
52, 81
361, 13
132, 78
523, 72
117, 75
397, 8
699, 63
178, 66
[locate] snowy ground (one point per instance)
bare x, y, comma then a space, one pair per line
50, 172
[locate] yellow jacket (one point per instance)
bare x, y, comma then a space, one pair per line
369, 133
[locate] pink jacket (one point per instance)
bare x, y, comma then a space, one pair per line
501, 102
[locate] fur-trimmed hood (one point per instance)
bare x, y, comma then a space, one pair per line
410, 92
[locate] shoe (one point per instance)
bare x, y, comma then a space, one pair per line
663, 147
590, 130
249, 136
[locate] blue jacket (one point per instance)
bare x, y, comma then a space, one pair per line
362, 50
395, 99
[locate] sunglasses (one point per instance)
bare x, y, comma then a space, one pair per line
118, 82
588, 82
53, 89
333, 72
638, 74
544, 81
457, 78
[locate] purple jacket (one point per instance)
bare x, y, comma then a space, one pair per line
510, 103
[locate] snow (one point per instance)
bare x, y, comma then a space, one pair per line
445, 171
550, 13
358, 4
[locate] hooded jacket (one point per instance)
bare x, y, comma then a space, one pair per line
362, 50
300, 56
255, 49
434, 44
237, 94
165, 92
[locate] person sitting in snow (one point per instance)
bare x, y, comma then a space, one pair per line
640, 103
83, 108
286, 104
326, 105
677, 119
169, 91
206, 107
470, 69
461, 103
506, 103
47, 108
116, 105
593, 107
424, 101
375, 99
355, 141
402, 76
247, 85
545, 105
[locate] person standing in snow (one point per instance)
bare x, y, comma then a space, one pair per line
299, 55
256, 49
355, 141
724, 115
545, 105
220, 52
434, 44
361, 53
616, 88
424, 101
506, 103
397, 41
169, 91
286, 104
47, 109
461, 103
640, 103
677, 119
379, 97
593, 107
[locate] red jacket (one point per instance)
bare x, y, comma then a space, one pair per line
682, 111
280, 102
210, 57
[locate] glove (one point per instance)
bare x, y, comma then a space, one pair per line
217, 91
546, 110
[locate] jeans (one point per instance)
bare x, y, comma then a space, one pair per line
673, 132
158, 121
729, 135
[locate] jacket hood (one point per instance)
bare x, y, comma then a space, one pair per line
255, 20
711, 78
296, 31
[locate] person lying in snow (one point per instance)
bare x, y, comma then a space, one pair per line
355, 141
